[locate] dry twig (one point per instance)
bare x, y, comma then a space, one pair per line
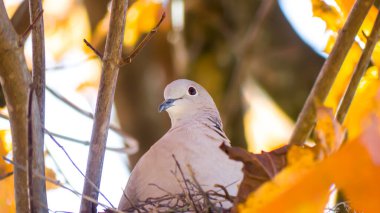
192, 196
141, 45
26, 33
131, 145
99, 54
77, 168
56, 182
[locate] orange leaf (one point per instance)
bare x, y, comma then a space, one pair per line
297, 188
7, 202
355, 169
304, 185
329, 132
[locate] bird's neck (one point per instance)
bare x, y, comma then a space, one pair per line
205, 118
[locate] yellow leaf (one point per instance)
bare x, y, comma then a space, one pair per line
5, 148
7, 202
343, 77
49, 173
329, 132
366, 100
304, 185
142, 16
330, 14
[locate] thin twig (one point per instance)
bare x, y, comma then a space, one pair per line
26, 33
226, 194
76, 167
58, 168
141, 45
329, 71
359, 70
87, 143
6, 175
209, 205
56, 182
130, 143
186, 185
99, 54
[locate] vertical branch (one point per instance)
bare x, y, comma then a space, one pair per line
30, 150
329, 71
38, 47
359, 70
38, 103
110, 69
15, 80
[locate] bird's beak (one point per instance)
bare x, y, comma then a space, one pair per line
167, 104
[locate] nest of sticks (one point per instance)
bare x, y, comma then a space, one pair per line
193, 197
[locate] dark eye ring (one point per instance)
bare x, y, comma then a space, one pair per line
192, 91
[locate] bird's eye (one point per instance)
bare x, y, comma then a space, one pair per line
192, 91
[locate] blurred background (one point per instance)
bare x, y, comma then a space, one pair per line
257, 58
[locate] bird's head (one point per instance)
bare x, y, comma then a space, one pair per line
185, 98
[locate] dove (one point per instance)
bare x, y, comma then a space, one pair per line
194, 138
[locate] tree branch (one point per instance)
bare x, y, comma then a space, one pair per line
15, 80
130, 143
329, 71
57, 183
141, 45
38, 103
26, 33
99, 54
110, 69
359, 70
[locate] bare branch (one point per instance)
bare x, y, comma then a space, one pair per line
329, 71
86, 143
188, 192
56, 182
77, 168
15, 81
359, 70
110, 69
122, 150
130, 143
2, 177
38, 103
141, 45
26, 33
99, 54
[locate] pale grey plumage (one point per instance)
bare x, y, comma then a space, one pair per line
194, 139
